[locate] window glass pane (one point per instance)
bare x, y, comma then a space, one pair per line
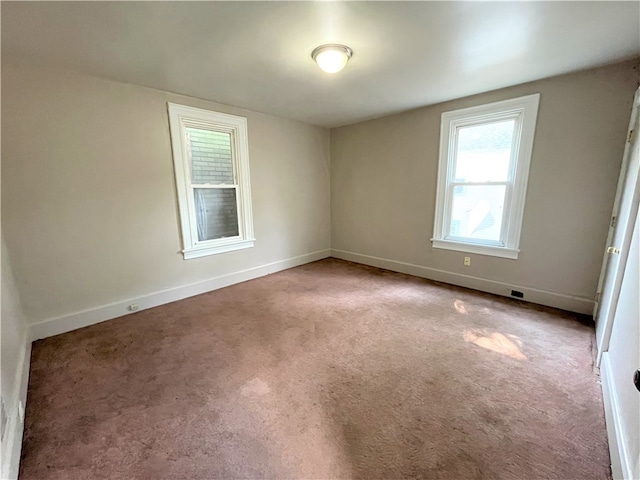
483, 152
476, 211
211, 159
216, 213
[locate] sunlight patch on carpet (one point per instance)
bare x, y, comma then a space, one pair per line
508, 345
459, 306
255, 387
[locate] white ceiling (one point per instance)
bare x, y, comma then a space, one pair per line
257, 54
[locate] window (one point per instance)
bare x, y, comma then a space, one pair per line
482, 176
211, 161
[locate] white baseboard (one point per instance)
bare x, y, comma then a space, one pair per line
12, 447
55, 326
542, 297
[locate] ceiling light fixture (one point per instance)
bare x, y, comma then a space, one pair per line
332, 57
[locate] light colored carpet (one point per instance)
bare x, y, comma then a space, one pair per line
329, 370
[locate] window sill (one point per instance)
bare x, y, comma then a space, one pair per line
502, 252
203, 251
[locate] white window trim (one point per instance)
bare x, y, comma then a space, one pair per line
525, 110
180, 117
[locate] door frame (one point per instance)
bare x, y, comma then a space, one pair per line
604, 319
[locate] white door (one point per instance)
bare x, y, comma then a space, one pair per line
619, 363
625, 209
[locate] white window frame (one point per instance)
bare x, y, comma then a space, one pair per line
181, 117
525, 111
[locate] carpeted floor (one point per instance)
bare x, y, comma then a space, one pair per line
331, 370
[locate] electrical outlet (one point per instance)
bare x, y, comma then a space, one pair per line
133, 307
467, 261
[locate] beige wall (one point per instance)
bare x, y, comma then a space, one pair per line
89, 206
383, 183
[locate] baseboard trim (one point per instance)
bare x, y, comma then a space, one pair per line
12, 448
67, 323
533, 295
621, 465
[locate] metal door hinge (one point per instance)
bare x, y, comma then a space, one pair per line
613, 250
630, 136
598, 296
613, 221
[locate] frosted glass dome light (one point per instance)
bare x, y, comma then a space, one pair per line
331, 58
